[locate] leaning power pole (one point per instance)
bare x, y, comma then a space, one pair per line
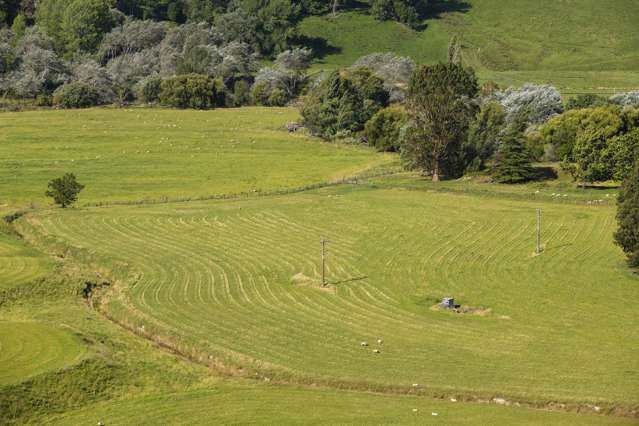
538, 231
323, 244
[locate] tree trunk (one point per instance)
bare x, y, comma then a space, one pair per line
335, 4
436, 171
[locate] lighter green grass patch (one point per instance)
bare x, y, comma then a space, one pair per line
235, 404
19, 264
133, 154
29, 348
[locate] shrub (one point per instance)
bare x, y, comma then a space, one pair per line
383, 130
277, 98
260, 93
630, 99
76, 95
189, 91
150, 90
588, 100
241, 93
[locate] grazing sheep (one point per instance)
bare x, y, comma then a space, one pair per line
364, 343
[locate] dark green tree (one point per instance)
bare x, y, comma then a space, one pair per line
627, 235
440, 104
84, 24
408, 12
344, 102
483, 136
513, 163
64, 190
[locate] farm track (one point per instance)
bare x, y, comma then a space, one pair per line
217, 277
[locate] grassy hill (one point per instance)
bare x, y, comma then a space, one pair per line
211, 309
578, 45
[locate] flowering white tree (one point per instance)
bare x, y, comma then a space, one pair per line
396, 71
538, 103
630, 99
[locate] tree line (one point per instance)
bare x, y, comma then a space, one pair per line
80, 53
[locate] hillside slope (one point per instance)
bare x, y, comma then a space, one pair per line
579, 45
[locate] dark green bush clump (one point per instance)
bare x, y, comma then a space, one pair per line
383, 130
76, 95
151, 89
191, 91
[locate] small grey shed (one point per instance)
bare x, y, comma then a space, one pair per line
448, 302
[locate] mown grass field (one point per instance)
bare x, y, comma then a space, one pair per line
243, 404
28, 349
131, 154
19, 264
578, 45
236, 280
232, 284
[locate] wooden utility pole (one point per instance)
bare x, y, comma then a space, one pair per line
323, 243
538, 231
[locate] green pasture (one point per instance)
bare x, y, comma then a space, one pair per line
237, 280
19, 264
578, 45
29, 348
131, 154
233, 284
243, 404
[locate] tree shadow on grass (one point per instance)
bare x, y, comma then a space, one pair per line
437, 8
320, 46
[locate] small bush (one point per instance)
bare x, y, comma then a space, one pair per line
277, 98
260, 93
384, 128
76, 95
151, 89
241, 93
189, 91
44, 100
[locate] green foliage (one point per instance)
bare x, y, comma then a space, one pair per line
384, 129
189, 91
627, 235
441, 107
343, 102
76, 95
241, 93
151, 89
19, 25
274, 24
49, 15
405, 11
277, 97
64, 190
75, 26
84, 24
513, 163
595, 144
483, 136
586, 100
260, 93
